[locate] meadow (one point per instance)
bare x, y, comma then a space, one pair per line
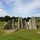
22, 34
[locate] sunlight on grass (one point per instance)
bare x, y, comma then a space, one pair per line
22, 34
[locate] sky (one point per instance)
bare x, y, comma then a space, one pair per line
20, 8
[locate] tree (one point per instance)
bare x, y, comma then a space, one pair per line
6, 18
15, 18
28, 19
1, 18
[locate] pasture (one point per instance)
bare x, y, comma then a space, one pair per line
22, 34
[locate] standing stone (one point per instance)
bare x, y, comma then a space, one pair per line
9, 23
21, 22
34, 23
26, 25
5, 24
13, 23
30, 24
18, 23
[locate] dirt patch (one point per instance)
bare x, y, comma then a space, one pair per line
38, 32
9, 31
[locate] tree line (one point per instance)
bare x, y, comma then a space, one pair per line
6, 18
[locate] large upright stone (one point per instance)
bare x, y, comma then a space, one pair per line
13, 23
9, 23
30, 24
26, 25
21, 22
34, 23
5, 24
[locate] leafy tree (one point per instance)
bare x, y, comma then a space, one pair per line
28, 19
1, 18
15, 18
6, 18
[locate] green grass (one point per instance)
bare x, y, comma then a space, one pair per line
38, 23
22, 34
1, 24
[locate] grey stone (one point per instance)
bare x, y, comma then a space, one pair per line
4, 24
34, 23
13, 23
30, 24
26, 25
21, 22
9, 23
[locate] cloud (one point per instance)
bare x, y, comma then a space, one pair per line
10, 1
3, 12
26, 9
1, 5
35, 15
23, 8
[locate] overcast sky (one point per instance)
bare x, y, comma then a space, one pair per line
23, 8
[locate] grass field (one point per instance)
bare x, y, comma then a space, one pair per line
22, 34
1, 25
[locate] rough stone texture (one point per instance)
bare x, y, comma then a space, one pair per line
4, 24
18, 23
34, 23
13, 23
9, 24
21, 22
30, 24
26, 25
